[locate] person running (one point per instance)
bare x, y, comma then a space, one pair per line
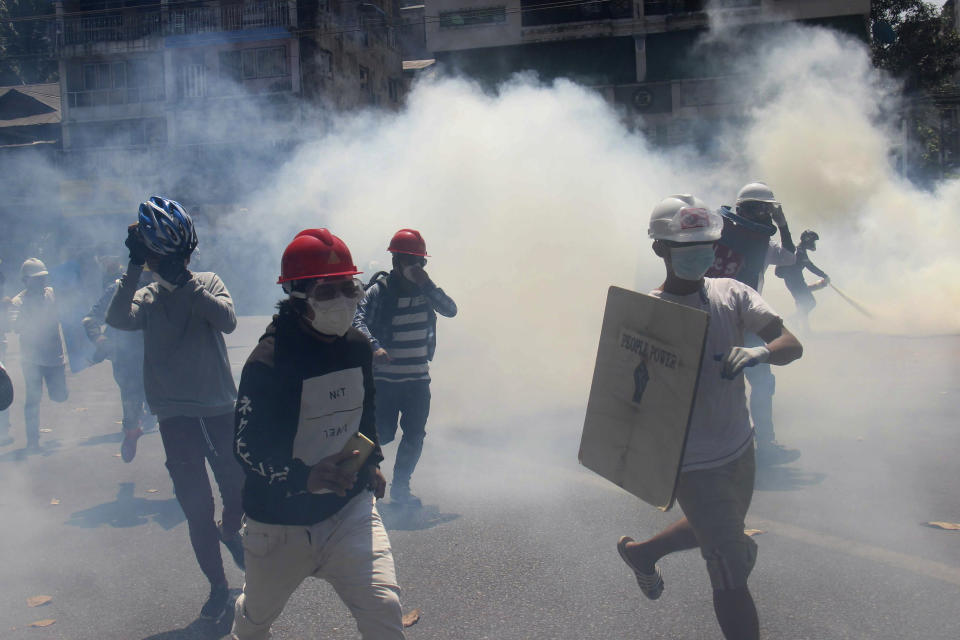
187, 378
793, 277
305, 391
744, 252
715, 485
36, 319
124, 349
399, 317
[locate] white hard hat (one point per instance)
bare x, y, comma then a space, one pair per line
32, 267
684, 218
756, 192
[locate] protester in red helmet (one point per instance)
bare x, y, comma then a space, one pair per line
305, 391
399, 317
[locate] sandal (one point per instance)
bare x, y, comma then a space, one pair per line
651, 584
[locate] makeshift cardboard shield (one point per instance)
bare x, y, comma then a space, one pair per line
644, 384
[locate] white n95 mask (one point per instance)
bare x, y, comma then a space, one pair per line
333, 317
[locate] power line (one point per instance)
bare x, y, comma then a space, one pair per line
366, 25
50, 17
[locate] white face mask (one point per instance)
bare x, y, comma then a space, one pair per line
333, 317
690, 263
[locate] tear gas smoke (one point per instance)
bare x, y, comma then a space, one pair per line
534, 200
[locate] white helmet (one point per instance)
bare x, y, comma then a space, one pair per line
32, 267
756, 192
684, 218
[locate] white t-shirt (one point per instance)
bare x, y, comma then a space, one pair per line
720, 425
777, 256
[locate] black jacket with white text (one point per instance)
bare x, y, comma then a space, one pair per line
300, 399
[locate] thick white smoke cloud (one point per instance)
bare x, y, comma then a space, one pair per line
533, 202
822, 144
531, 206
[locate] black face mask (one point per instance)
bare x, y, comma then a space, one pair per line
766, 228
755, 211
400, 263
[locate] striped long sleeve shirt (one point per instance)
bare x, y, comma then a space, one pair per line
403, 320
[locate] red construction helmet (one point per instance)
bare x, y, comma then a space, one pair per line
316, 253
408, 241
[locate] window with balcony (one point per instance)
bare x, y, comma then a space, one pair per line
192, 80
394, 88
473, 17
669, 7
186, 18
99, 83
325, 63
250, 64
111, 22
543, 12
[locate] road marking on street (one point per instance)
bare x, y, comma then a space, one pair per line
907, 562
914, 564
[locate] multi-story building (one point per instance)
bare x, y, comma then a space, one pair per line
646, 55
29, 149
194, 80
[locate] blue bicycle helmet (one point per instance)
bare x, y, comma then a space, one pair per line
166, 227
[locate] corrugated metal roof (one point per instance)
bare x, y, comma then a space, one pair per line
29, 104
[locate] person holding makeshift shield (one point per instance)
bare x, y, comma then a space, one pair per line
715, 485
745, 249
187, 379
305, 411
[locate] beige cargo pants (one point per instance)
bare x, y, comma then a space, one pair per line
350, 550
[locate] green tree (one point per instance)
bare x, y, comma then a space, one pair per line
26, 54
914, 40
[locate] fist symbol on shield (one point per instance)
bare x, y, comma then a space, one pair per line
640, 379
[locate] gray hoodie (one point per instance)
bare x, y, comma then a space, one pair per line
186, 371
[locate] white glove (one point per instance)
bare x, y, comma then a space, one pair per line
739, 358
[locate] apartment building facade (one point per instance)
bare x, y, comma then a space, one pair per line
198, 82
645, 55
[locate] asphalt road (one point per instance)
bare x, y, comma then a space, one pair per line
516, 540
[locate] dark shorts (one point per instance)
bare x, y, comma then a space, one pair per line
715, 501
